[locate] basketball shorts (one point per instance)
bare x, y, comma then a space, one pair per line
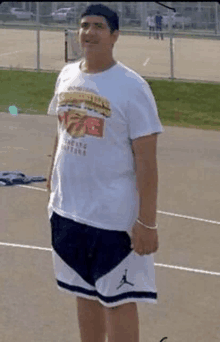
99, 264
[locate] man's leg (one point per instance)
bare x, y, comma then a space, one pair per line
122, 323
91, 318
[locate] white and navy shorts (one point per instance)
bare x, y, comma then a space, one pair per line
99, 264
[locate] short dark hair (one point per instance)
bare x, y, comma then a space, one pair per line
104, 11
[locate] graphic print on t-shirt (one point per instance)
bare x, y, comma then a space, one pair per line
73, 107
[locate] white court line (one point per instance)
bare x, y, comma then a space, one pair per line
159, 265
24, 246
188, 217
31, 187
158, 211
10, 53
147, 60
188, 269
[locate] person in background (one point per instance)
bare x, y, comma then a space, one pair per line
159, 24
151, 24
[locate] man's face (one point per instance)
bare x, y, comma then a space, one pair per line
95, 36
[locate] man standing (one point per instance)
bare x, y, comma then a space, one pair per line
151, 24
158, 21
103, 185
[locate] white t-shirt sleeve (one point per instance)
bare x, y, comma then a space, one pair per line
142, 112
53, 103
52, 109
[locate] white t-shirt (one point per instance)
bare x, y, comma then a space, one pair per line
93, 180
151, 21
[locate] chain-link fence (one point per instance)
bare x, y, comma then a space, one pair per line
184, 15
33, 36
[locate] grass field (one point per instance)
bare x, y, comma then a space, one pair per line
182, 104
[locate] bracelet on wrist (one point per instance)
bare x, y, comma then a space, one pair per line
155, 227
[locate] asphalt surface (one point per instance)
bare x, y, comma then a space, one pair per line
187, 262
193, 59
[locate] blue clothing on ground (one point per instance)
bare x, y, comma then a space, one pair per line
17, 177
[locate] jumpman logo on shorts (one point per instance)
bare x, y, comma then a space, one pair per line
124, 280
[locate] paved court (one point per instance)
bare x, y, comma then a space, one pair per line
194, 59
187, 263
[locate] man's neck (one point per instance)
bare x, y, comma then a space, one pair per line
92, 67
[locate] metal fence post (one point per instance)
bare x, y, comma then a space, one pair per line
66, 47
216, 19
38, 35
120, 11
171, 56
171, 44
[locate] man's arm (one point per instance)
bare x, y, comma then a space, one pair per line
52, 163
145, 240
144, 149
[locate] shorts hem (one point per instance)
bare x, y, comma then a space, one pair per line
129, 297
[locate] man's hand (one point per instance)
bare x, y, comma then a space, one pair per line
144, 240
